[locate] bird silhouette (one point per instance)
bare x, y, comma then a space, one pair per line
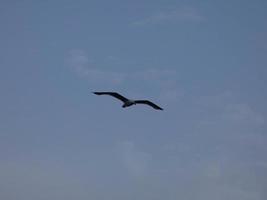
129, 102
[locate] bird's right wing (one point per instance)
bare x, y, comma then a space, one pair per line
114, 94
149, 103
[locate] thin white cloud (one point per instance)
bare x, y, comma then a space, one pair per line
83, 66
176, 15
28, 179
79, 61
228, 181
163, 76
227, 107
171, 95
164, 80
241, 112
135, 161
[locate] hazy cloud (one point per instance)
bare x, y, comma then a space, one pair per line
83, 66
164, 80
28, 179
226, 106
135, 160
171, 95
164, 77
79, 62
241, 112
176, 15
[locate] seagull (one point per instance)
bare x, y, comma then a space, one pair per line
129, 102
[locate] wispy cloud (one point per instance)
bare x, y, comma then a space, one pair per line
175, 15
164, 80
171, 95
228, 108
163, 76
29, 179
242, 112
135, 161
79, 61
83, 66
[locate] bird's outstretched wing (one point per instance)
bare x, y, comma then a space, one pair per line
149, 103
114, 94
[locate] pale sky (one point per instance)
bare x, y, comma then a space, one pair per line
204, 62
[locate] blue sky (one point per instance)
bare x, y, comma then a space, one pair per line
204, 62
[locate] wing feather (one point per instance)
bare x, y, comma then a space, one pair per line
113, 94
149, 103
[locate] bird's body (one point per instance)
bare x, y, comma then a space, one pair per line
129, 102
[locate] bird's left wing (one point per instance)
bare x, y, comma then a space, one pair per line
149, 103
114, 94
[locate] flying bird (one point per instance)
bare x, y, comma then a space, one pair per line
129, 102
